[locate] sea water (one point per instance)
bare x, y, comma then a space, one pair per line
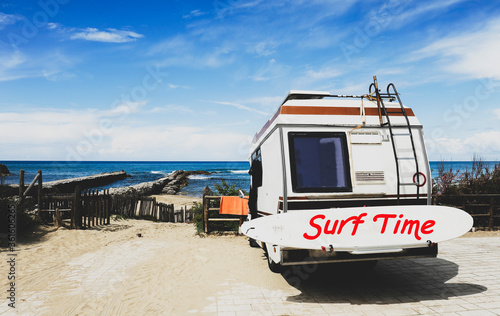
233, 172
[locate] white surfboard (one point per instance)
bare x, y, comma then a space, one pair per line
362, 229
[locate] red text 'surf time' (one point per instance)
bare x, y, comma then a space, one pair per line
390, 223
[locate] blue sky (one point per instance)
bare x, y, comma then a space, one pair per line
194, 80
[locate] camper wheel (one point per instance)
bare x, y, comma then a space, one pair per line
253, 243
273, 266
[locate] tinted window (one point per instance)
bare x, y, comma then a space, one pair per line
319, 162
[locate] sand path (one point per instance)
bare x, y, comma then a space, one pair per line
111, 271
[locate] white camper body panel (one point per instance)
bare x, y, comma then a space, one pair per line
272, 187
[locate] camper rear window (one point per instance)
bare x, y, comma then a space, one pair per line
319, 162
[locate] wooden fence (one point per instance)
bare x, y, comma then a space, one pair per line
86, 209
149, 207
93, 207
484, 208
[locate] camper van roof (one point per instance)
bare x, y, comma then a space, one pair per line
308, 95
322, 108
305, 94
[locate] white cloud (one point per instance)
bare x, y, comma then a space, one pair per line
485, 144
194, 13
471, 53
55, 134
264, 48
240, 106
8, 19
173, 108
124, 109
177, 86
270, 103
273, 70
52, 65
402, 13
43, 128
496, 112
322, 74
8, 61
174, 143
311, 77
109, 35
223, 8
54, 26
185, 51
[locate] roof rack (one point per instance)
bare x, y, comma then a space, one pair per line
311, 95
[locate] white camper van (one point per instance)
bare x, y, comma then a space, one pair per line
344, 178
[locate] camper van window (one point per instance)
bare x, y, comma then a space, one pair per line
319, 162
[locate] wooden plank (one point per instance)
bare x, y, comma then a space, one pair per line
218, 219
40, 184
57, 218
31, 184
492, 214
108, 205
21, 186
205, 214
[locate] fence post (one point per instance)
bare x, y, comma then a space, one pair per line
39, 192
21, 185
108, 206
76, 216
206, 204
492, 207
58, 218
92, 207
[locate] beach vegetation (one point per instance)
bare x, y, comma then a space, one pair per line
197, 210
480, 179
4, 171
224, 189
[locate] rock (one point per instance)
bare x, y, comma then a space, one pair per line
4, 171
171, 184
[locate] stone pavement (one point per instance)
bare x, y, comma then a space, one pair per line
463, 280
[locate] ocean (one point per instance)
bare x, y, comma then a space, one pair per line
233, 172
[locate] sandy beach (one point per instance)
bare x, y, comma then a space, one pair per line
109, 270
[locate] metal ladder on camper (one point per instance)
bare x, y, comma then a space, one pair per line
384, 113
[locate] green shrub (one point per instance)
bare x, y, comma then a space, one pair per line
198, 216
479, 180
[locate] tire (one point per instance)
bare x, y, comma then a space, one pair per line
253, 243
273, 266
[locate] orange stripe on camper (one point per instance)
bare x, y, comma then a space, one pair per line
233, 205
329, 110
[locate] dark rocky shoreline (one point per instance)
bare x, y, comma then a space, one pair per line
171, 184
